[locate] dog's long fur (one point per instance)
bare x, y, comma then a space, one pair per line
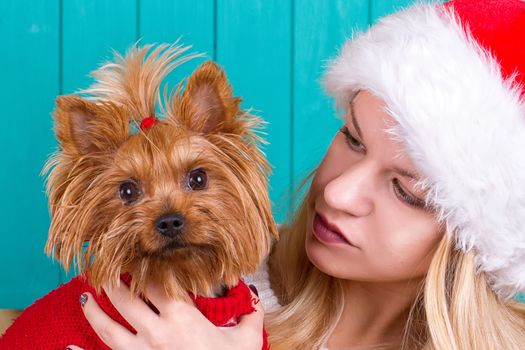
229, 225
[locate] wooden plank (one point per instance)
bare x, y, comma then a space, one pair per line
29, 56
192, 22
380, 8
320, 29
91, 30
254, 46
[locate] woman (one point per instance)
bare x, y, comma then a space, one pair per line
411, 235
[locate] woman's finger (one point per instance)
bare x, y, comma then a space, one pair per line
249, 331
255, 320
166, 305
73, 347
109, 331
134, 310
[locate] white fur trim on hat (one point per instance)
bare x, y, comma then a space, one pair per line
462, 124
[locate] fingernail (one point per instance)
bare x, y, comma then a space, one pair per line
253, 289
83, 299
68, 348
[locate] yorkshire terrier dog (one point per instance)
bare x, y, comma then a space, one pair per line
181, 201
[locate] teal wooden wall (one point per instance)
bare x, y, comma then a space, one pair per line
272, 50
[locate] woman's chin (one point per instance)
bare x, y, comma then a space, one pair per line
325, 259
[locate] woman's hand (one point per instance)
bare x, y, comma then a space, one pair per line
178, 326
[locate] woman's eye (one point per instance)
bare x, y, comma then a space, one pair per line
350, 140
410, 200
197, 179
355, 145
130, 191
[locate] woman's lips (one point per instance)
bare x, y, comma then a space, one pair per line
328, 233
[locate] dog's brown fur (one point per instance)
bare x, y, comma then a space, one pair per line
228, 225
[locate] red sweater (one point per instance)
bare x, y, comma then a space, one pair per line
56, 320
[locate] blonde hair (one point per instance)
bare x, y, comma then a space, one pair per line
455, 308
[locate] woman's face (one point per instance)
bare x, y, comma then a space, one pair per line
366, 219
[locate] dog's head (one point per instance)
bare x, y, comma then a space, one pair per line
181, 200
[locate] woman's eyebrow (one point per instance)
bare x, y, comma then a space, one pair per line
400, 171
354, 120
406, 173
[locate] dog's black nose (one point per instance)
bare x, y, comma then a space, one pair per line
170, 225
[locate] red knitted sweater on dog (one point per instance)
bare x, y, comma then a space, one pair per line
56, 320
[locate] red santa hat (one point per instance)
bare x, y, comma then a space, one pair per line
453, 76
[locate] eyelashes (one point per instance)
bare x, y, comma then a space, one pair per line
356, 146
407, 198
350, 140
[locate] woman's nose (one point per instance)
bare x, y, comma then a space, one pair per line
352, 190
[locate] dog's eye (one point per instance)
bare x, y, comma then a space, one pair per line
130, 191
198, 179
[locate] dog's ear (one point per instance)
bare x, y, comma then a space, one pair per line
84, 126
207, 104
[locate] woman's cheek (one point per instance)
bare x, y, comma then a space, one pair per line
406, 257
